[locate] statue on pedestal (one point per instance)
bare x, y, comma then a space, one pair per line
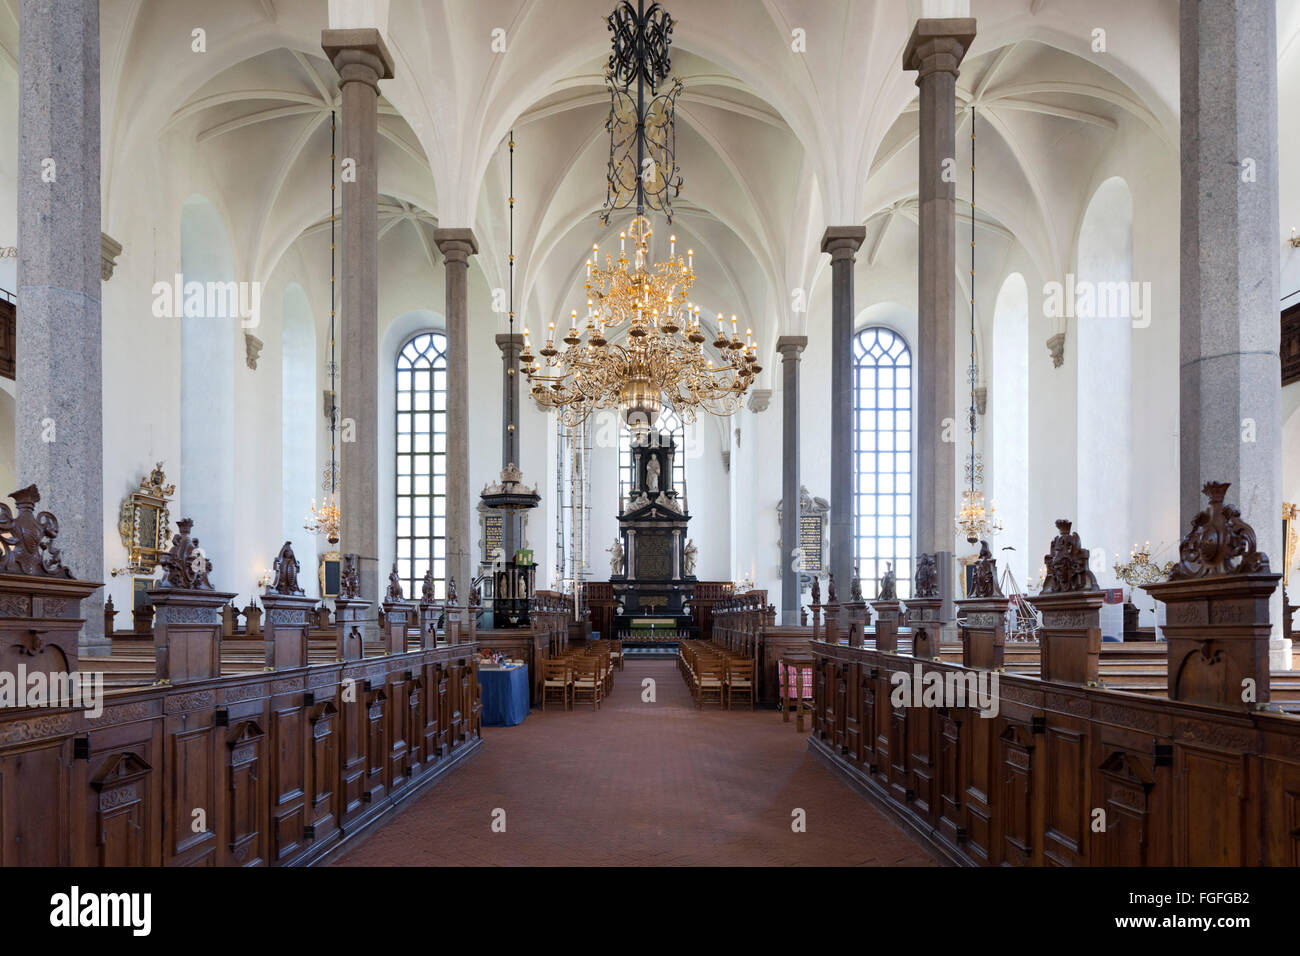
830, 589
286, 571
888, 585
985, 583
855, 586
927, 577
1067, 563
394, 585
816, 591
652, 475
616, 558
688, 557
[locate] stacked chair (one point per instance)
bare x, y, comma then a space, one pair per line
715, 674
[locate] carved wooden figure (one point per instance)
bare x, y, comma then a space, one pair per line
1216, 618
1070, 602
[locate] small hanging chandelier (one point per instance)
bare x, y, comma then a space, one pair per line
327, 518
509, 492
974, 520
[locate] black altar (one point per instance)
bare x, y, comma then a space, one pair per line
657, 578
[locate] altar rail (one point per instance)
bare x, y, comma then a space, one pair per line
1180, 784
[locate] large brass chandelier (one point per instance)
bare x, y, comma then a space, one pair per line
661, 359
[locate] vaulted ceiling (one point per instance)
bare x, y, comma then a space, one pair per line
796, 115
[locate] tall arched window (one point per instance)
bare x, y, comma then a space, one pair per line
668, 424
422, 462
882, 446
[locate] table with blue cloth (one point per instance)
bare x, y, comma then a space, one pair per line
503, 695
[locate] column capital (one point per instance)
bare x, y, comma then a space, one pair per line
843, 242
456, 245
937, 45
510, 343
790, 346
359, 56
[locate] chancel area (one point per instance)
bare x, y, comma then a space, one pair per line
726, 432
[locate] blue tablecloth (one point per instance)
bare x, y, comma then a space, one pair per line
504, 696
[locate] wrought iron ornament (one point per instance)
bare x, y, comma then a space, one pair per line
642, 167
641, 41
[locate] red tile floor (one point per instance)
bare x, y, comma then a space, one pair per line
641, 784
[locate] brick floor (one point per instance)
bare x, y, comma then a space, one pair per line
658, 784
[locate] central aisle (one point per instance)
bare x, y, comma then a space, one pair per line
641, 784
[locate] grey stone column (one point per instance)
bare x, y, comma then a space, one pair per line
510, 346
59, 432
457, 245
842, 242
362, 60
790, 347
1230, 377
935, 50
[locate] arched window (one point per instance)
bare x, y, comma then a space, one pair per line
667, 424
422, 462
882, 446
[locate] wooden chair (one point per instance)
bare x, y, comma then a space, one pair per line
557, 675
709, 679
740, 680
587, 680
616, 653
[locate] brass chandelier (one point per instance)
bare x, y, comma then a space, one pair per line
662, 360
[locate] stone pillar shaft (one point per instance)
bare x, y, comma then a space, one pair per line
790, 347
362, 60
935, 51
457, 245
1229, 373
59, 427
842, 242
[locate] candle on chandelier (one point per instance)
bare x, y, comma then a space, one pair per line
672, 245
622, 242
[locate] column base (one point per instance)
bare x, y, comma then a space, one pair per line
1279, 654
